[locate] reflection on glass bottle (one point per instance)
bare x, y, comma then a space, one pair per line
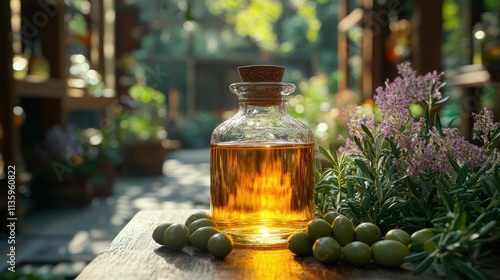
39, 66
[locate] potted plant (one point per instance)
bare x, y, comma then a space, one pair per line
61, 168
141, 131
103, 155
195, 131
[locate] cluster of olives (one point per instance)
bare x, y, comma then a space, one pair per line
334, 236
199, 230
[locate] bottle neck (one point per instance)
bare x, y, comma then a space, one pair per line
277, 105
37, 48
263, 94
261, 98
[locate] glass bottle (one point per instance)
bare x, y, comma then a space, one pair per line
478, 34
39, 66
491, 42
262, 163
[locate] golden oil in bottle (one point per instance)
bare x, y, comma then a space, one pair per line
261, 194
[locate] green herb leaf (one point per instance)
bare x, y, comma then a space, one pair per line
415, 257
462, 175
327, 155
441, 101
487, 228
437, 121
424, 265
366, 202
368, 132
417, 219
364, 169
470, 271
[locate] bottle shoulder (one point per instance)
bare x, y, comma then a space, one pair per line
247, 128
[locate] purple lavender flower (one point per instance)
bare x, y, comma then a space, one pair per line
483, 123
128, 102
396, 98
423, 149
349, 147
354, 121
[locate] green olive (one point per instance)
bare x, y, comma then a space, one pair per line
428, 245
318, 228
343, 230
398, 235
300, 244
357, 253
367, 232
420, 236
389, 253
203, 222
330, 216
196, 216
200, 237
326, 250
422, 240
159, 231
176, 237
220, 245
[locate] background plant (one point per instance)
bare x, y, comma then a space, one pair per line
62, 153
408, 170
317, 105
195, 131
142, 115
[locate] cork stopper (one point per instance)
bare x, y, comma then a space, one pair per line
261, 73
262, 95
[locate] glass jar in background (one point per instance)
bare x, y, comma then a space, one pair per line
491, 41
478, 35
262, 163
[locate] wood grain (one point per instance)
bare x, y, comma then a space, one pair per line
133, 254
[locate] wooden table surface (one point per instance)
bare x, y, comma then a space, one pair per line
133, 254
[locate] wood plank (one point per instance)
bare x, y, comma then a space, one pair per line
134, 255
349, 21
88, 102
53, 88
471, 79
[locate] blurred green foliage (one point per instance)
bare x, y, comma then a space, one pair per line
318, 105
143, 115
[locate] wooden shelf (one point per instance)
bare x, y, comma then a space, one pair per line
87, 102
349, 21
53, 88
471, 76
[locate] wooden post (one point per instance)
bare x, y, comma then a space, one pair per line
343, 48
8, 143
8, 146
427, 36
374, 67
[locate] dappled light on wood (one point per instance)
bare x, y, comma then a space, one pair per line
135, 255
